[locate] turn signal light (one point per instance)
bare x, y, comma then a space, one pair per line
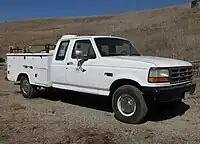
158, 79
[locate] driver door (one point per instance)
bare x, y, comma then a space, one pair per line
85, 75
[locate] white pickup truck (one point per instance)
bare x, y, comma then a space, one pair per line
106, 66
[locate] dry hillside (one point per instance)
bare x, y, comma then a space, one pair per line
172, 31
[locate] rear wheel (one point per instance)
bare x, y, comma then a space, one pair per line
27, 90
129, 105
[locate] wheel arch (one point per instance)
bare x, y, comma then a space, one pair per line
21, 75
120, 82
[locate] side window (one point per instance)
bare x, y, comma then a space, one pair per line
62, 50
86, 47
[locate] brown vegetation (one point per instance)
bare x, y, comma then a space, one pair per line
171, 32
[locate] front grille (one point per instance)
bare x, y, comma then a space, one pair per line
180, 74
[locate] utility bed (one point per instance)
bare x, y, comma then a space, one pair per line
36, 65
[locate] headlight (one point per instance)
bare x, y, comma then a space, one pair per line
158, 75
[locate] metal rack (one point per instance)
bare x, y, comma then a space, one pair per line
47, 48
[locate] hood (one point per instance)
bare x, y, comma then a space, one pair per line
157, 61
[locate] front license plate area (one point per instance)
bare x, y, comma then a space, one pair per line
187, 95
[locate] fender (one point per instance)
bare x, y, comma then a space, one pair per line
18, 78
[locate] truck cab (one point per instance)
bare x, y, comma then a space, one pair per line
105, 66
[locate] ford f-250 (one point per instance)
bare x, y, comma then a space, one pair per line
106, 66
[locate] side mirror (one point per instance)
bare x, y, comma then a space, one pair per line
79, 54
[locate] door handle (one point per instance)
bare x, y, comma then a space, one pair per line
69, 63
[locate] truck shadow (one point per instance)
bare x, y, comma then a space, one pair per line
101, 103
168, 111
160, 112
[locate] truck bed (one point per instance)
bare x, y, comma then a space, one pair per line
36, 65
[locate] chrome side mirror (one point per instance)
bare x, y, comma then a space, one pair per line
79, 54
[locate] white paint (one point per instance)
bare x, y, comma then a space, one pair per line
64, 37
60, 75
41, 63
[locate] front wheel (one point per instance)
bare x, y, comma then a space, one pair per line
27, 90
129, 105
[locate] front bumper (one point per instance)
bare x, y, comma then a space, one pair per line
169, 93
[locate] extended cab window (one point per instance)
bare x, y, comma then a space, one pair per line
62, 50
86, 47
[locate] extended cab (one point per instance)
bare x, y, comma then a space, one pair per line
106, 66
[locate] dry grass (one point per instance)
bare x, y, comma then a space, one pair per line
171, 32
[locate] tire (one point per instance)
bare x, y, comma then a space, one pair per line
139, 110
27, 90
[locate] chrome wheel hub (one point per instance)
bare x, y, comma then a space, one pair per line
25, 86
126, 105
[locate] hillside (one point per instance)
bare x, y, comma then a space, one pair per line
171, 31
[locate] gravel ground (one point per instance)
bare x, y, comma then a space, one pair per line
74, 118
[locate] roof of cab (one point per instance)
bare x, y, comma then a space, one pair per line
67, 37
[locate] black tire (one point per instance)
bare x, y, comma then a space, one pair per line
139, 111
28, 91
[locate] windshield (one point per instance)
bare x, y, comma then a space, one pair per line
115, 47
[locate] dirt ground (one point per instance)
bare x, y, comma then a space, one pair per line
74, 118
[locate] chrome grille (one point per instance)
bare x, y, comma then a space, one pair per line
181, 74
